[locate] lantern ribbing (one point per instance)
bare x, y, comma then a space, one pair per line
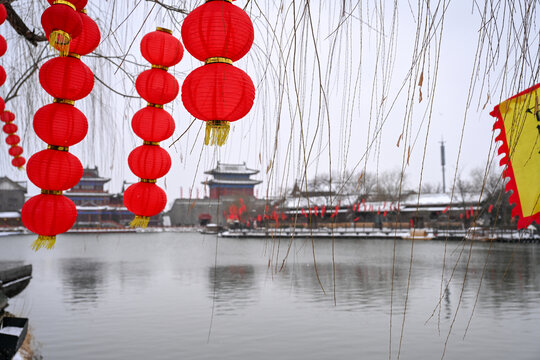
60, 125
217, 92
153, 124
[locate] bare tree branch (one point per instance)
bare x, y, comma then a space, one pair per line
20, 27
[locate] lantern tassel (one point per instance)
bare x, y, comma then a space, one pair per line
140, 222
43, 241
60, 40
217, 132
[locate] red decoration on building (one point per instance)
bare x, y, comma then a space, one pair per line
153, 124
60, 124
218, 33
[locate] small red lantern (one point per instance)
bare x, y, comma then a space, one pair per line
160, 48
62, 24
18, 162
66, 78
157, 86
3, 14
89, 38
2, 105
60, 124
13, 139
149, 162
10, 128
7, 116
48, 214
15, 150
3, 46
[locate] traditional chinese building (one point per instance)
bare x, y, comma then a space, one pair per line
231, 180
96, 207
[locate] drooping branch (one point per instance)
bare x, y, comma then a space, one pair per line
169, 7
20, 27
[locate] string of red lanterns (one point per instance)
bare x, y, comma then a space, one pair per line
153, 124
218, 92
60, 124
8, 117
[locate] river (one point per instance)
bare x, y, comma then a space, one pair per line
190, 296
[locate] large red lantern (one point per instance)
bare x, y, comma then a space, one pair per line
218, 33
3, 14
160, 48
89, 38
153, 124
62, 24
48, 214
66, 78
217, 28
60, 124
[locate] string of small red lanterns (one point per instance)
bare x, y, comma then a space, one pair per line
8, 117
218, 92
60, 124
153, 124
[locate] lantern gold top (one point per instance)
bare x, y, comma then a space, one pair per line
218, 59
64, 101
51, 192
63, 2
84, 11
229, 1
164, 30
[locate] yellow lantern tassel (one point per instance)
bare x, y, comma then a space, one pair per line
140, 222
43, 241
60, 40
217, 132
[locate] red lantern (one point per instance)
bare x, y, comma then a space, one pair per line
66, 78
15, 150
54, 170
218, 92
145, 200
2, 106
3, 46
7, 116
78, 4
61, 24
153, 124
3, 76
13, 139
149, 162
3, 14
60, 124
217, 28
10, 128
48, 215
161, 48
18, 162
89, 38
157, 86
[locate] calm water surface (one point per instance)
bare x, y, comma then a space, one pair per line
189, 296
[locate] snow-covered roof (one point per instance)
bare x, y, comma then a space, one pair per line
9, 215
231, 182
222, 168
441, 199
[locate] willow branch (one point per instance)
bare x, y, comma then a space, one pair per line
20, 27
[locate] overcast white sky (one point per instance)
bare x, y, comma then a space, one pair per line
351, 62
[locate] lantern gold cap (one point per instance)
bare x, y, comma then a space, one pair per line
164, 30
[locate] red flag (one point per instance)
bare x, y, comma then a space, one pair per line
490, 208
472, 211
323, 211
446, 209
283, 217
379, 210
336, 210
316, 211
385, 212
354, 207
356, 219
259, 218
304, 213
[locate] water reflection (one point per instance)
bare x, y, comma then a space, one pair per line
83, 281
232, 287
